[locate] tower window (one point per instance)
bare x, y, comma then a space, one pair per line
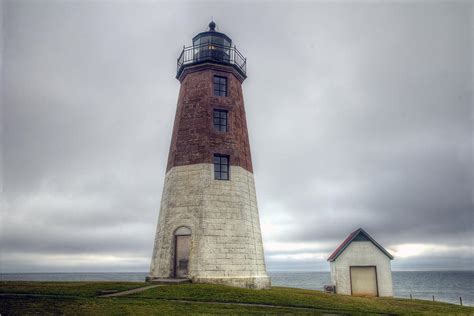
220, 120
220, 86
221, 167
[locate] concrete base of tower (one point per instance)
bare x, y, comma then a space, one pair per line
256, 282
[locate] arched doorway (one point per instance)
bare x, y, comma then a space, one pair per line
182, 241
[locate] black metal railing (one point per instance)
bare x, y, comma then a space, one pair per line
212, 52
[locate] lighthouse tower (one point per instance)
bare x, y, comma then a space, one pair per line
208, 228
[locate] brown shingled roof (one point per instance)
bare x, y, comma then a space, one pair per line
359, 233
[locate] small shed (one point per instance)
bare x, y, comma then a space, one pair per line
361, 267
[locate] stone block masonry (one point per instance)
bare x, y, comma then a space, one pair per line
226, 244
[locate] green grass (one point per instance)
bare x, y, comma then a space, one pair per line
81, 298
126, 306
83, 289
302, 298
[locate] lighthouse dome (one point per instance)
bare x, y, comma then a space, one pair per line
212, 37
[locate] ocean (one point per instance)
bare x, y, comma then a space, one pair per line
446, 286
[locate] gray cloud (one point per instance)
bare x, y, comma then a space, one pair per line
360, 115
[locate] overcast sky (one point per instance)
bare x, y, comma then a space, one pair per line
359, 115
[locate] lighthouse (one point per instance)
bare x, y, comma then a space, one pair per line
208, 228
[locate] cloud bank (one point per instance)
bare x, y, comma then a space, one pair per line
359, 114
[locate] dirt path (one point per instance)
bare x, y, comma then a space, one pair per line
322, 311
141, 289
133, 291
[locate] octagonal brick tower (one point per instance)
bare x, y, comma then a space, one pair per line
208, 228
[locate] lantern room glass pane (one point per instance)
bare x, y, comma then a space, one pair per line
217, 40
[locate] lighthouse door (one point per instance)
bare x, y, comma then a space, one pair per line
181, 258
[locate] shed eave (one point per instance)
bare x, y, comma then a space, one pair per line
350, 239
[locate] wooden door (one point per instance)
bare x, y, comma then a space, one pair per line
183, 244
364, 281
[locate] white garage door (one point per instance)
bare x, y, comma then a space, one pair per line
364, 281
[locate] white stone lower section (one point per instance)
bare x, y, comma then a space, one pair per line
226, 242
362, 253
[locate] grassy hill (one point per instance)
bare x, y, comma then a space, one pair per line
83, 298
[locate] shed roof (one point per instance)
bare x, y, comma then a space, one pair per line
357, 235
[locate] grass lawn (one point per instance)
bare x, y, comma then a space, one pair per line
81, 298
83, 289
126, 306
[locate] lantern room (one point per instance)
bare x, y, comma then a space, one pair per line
211, 47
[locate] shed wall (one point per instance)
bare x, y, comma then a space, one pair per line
361, 253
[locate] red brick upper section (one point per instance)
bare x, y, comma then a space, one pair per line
194, 138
